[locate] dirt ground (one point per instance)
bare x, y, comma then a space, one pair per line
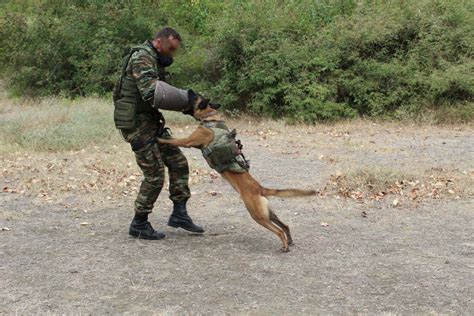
64, 216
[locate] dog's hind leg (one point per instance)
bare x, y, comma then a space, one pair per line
258, 209
282, 225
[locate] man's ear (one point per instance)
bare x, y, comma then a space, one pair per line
215, 106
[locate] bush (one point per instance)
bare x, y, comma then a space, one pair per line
69, 49
372, 60
304, 60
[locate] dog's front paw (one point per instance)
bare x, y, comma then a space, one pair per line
285, 249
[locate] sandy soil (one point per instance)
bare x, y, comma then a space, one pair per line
65, 248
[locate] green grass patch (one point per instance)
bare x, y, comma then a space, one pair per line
58, 124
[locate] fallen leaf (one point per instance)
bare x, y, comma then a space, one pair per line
214, 193
439, 184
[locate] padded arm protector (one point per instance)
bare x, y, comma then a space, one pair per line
170, 98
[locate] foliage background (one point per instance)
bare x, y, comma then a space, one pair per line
303, 60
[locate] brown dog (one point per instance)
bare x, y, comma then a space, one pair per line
251, 192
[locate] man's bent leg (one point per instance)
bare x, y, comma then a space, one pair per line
178, 170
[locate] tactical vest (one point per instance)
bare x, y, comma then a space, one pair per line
128, 101
224, 152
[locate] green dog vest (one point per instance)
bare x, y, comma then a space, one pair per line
224, 152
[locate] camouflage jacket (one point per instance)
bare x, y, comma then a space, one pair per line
134, 91
144, 69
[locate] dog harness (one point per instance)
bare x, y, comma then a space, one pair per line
224, 153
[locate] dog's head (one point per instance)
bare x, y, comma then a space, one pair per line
201, 106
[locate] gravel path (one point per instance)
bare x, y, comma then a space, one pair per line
370, 258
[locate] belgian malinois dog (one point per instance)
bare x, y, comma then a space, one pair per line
252, 193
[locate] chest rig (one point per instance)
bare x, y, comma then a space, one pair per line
128, 102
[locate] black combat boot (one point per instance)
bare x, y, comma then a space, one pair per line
141, 228
180, 218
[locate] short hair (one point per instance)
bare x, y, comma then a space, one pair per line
166, 32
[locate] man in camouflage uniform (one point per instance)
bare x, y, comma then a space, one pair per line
141, 124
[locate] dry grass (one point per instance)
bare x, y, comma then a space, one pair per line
55, 146
55, 124
377, 184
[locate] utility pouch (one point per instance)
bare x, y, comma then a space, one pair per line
124, 107
124, 113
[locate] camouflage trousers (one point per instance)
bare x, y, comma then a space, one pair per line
152, 158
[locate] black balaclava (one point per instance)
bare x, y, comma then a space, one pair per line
163, 61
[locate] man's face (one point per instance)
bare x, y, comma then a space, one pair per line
169, 46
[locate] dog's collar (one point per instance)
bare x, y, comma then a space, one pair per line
214, 124
212, 113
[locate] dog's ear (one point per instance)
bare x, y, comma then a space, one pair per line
203, 104
215, 106
192, 97
192, 94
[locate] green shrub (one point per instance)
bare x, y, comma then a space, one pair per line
300, 59
367, 59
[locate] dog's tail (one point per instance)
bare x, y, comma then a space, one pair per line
287, 192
